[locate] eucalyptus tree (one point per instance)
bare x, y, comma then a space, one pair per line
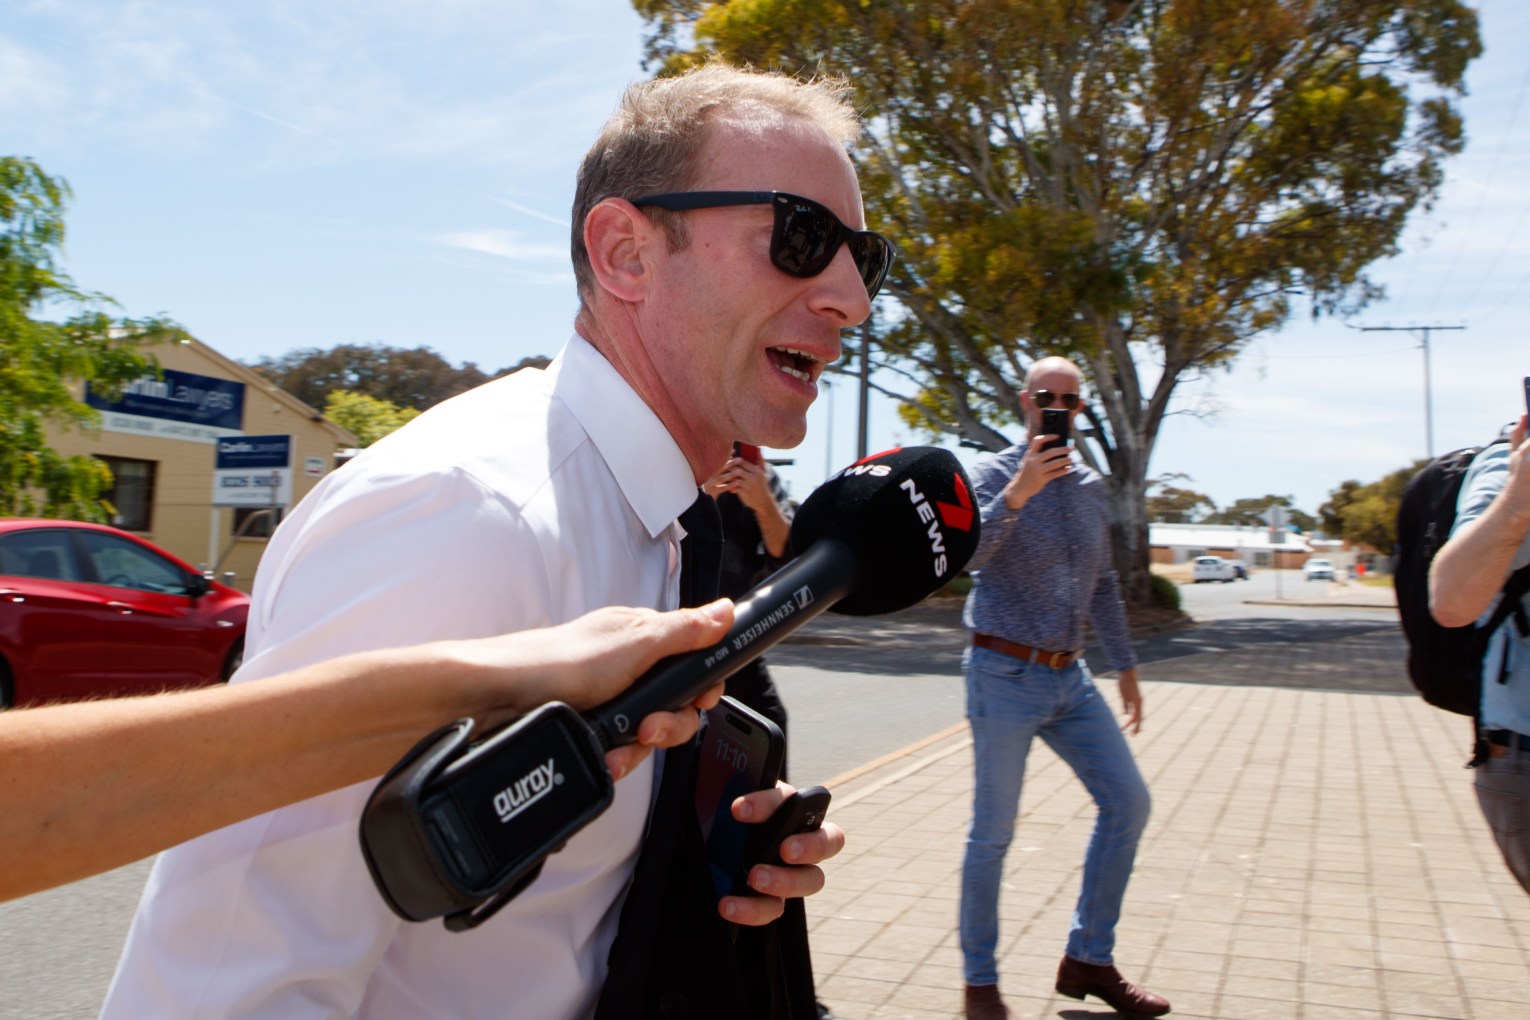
1141, 185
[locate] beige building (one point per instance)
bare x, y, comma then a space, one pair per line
198, 457
1258, 547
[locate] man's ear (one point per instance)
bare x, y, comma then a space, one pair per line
619, 238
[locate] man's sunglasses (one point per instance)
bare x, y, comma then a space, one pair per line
1044, 398
806, 236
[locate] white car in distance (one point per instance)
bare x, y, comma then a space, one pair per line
1318, 570
1212, 568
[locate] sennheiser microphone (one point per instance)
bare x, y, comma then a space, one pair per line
456, 829
877, 537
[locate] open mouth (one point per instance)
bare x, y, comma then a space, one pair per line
795, 363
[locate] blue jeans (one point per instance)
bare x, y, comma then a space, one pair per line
1009, 701
1503, 791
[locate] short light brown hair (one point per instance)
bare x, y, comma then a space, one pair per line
651, 143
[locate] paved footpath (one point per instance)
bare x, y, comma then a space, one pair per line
1315, 853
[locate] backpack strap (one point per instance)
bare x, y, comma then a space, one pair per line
1511, 603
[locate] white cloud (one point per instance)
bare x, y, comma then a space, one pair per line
505, 244
30, 83
534, 213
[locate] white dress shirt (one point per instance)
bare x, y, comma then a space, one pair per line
525, 502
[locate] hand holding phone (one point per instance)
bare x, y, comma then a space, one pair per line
803, 811
741, 752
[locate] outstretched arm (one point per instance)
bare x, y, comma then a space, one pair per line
1471, 567
91, 786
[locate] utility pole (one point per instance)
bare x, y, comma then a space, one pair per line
828, 442
863, 422
1424, 332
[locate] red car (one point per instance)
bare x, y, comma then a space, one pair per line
87, 611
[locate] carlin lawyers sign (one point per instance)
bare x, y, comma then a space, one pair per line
253, 471
181, 405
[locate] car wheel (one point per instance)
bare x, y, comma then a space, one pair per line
234, 661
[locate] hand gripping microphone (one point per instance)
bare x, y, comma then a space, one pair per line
456, 829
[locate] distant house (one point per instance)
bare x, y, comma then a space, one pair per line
206, 456
1258, 547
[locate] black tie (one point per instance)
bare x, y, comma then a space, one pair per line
700, 552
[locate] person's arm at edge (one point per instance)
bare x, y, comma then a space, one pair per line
1107, 613
774, 518
1472, 565
759, 488
989, 485
94, 785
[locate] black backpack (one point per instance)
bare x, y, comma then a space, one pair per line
1444, 663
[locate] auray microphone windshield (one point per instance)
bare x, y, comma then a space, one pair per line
457, 828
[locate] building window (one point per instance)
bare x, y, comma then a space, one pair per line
132, 492
256, 522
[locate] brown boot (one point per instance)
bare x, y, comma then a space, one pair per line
983, 1003
1076, 980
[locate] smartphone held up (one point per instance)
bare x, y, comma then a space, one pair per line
1054, 422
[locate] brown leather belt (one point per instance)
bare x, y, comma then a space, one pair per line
1052, 660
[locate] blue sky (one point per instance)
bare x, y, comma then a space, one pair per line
277, 174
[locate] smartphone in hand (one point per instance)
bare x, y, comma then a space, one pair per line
803, 811
749, 452
1054, 422
741, 752
1527, 393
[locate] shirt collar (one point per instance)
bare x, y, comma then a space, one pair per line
654, 476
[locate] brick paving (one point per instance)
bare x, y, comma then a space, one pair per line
1315, 853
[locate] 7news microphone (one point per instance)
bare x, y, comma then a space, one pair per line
457, 828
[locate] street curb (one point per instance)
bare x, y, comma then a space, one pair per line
949, 741
1321, 604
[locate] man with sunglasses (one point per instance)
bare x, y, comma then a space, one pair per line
718, 254
1042, 567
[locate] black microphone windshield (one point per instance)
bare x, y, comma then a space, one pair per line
909, 516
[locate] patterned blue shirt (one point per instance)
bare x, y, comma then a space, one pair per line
1505, 706
1039, 570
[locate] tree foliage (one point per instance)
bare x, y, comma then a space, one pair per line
1250, 512
1174, 505
41, 360
406, 377
1141, 185
1367, 514
1331, 513
366, 418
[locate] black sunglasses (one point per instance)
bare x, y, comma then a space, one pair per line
806, 235
1044, 398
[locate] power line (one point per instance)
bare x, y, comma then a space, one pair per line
1424, 331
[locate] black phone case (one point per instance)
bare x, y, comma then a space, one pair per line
803, 811
1055, 422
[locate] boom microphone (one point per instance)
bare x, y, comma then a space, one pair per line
457, 829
